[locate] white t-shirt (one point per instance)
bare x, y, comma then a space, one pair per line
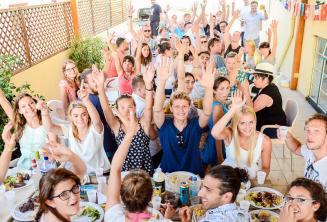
243, 10
314, 170
90, 150
117, 213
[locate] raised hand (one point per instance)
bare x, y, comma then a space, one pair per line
207, 77
57, 151
163, 69
180, 47
9, 138
148, 76
130, 10
273, 25
98, 76
111, 36
42, 106
237, 101
129, 122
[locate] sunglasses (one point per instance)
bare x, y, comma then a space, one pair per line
65, 195
146, 30
180, 141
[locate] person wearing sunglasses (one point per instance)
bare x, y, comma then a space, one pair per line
59, 196
313, 150
69, 85
305, 201
180, 136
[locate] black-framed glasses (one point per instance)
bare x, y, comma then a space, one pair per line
70, 69
297, 200
148, 30
65, 195
180, 141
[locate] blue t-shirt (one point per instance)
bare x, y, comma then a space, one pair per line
177, 157
109, 142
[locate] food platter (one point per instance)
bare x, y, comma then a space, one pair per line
17, 180
174, 180
89, 212
25, 210
264, 216
264, 198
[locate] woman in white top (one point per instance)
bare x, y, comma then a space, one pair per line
85, 132
135, 190
244, 145
27, 126
143, 58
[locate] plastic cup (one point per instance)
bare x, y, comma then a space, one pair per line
283, 132
245, 205
91, 195
156, 202
261, 176
102, 184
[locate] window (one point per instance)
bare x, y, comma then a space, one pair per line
318, 91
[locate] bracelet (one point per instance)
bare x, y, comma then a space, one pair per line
149, 89
9, 149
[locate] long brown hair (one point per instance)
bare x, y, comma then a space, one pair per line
145, 60
73, 105
19, 119
47, 184
75, 82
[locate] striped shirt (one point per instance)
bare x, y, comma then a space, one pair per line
228, 212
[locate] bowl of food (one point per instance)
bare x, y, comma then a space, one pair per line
26, 210
198, 212
264, 216
264, 198
17, 181
174, 180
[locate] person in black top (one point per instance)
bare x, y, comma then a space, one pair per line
155, 18
268, 103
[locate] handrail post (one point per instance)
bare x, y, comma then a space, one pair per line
75, 17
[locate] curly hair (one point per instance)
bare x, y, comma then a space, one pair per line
317, 193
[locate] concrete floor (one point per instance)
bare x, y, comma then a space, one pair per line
281, 175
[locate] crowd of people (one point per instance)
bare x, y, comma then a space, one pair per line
193, 97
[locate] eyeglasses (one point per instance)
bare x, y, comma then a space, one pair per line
70, 69
147, 30
258, 77
180, 139
203, 42
65, 195
298, 200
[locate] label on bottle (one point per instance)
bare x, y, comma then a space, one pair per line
160, 185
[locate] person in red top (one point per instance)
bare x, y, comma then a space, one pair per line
110, 70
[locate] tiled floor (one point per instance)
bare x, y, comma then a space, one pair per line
281, 175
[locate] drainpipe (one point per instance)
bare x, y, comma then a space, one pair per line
288, 43
298, 51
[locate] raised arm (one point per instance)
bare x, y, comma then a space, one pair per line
115, 56
180, 66
273, 27
10, 142
220, 131
108, 114
223, 8
138, 58
227, 37
6, 106
114, 182
130, 23
93, 113
63, 154
148, 77
266, 154
292, 143
46, 120
265, 12
163, 75
196, 23
206, 80
194, 9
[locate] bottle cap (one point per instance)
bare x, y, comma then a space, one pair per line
46, 158
194, 178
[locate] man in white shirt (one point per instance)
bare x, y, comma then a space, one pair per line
314, 151
252, 21
243, 10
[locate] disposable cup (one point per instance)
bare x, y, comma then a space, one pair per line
245, 205
261, 176
156, 202
283, 132
102, 184
91, 195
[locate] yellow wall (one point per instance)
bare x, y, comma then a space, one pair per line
44, 77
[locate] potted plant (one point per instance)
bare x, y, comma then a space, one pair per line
86, 52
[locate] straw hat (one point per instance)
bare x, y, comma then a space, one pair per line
265, 68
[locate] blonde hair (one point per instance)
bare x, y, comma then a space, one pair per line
253, 52
75, 82
179, 95
236, 119
73, 105
19, 119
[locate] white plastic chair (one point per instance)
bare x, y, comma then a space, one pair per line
291, 111
57, 112
112, 90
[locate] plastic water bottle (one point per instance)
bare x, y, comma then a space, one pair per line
194, 187
46, 166
159, 180
36, 174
